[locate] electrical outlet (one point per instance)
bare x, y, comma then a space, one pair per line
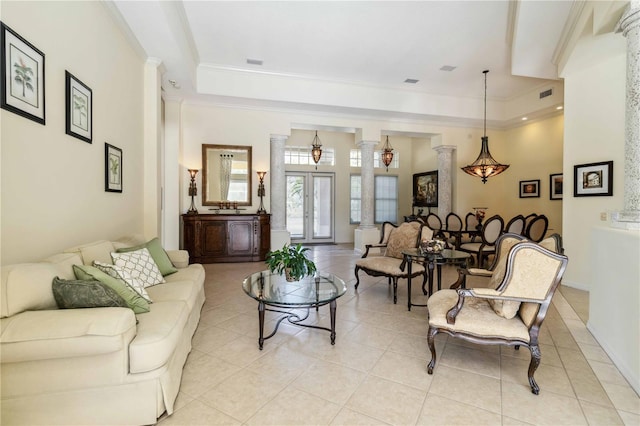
603, 216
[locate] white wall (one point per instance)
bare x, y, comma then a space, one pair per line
53, 184
594, 132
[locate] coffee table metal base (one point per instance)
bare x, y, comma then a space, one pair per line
294, 319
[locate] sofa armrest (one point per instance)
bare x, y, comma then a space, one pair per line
64, 333
179, 258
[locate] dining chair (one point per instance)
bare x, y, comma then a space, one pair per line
434, 222
453, 227
537, 228
510, 312
515, 225
489, 234
471, 228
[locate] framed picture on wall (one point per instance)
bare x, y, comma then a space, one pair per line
22, 73
425, 189
555, 186
530, 188
78, 108
593, 179
112, 168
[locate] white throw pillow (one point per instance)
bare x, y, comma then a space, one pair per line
121, 274
140, 265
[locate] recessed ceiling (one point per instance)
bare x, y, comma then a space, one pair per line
366, 43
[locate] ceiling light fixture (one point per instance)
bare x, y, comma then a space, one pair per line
316, 149
559, 107
485, 166
524, 118
387, 154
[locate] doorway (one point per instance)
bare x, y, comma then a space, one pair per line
310, 207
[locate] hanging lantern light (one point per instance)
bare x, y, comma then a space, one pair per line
387, 154
485, 166
316, 149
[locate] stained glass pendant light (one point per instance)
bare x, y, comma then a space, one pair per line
387, 154
316, 149
485, 166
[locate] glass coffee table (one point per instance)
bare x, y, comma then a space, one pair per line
275, 291
433, 260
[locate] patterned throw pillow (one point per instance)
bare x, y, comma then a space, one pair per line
139, 264
121, 274
71, 294
136, 302
158, 254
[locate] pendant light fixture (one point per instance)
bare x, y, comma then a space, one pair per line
387, 154
485, 166
316, 149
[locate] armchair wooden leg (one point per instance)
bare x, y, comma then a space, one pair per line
432, 347
395, 290
533, 366
357, 277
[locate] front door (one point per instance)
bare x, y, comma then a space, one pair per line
310, 207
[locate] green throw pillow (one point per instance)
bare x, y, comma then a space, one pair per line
70, 294
157, 254
133, 299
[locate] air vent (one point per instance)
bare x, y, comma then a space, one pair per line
411, 81
254, 61
546, 93
447, 68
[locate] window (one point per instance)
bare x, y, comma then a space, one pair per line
355, 159
385, 200
301, 155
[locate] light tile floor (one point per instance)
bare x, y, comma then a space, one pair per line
376, 372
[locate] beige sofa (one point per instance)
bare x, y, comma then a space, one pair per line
97, 365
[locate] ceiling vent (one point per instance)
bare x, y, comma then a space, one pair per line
411, 81
254, 61
447, 68
546, 93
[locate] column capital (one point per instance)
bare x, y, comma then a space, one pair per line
278, 138
445, 148
366, 143
630, 18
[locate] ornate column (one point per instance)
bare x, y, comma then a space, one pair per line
366, 233
445, 167
278, 196
629, 25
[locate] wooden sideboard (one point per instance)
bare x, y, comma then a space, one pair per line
212, 238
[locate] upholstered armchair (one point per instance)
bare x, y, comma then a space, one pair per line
391, 263
509, 312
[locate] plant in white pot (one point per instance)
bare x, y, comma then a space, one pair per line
291, 260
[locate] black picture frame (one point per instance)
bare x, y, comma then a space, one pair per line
425, 189
78, 104
112, 168
593, 179
555, 186
530, 188
22, 73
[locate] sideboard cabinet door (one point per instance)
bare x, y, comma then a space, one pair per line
211, 238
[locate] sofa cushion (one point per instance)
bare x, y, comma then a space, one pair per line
64, 262
66, 333
186, 291
27, 287
121, 274
139, 264
193, 272
158, 334
98, 250
134, 301
73, 294
158, 254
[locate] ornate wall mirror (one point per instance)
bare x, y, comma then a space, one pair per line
226, 174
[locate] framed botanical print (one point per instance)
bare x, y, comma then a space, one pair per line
555, 186
112, 168
530, 188
425, 189
593, 179
22, 73
78, 108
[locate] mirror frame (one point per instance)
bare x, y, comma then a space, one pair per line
205, 172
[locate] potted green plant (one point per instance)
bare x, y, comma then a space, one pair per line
292, 260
